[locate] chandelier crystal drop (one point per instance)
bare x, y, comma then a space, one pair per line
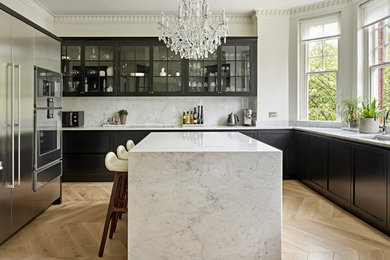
192, 33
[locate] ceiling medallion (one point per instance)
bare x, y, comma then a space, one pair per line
193, 34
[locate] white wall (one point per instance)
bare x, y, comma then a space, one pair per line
273, 70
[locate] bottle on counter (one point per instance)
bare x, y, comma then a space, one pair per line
188, 118
192, 118
86, 85
202, 115
184, 118
195, 117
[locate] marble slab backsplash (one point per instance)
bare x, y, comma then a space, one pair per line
157, 111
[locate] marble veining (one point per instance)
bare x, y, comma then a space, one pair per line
203, 204
160, 111
200, 142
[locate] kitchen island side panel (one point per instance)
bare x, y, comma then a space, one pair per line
205, 205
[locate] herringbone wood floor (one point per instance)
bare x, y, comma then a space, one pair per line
313, 229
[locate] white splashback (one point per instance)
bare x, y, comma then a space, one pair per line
156, 110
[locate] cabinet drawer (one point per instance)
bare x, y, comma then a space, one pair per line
85, 167
87, 142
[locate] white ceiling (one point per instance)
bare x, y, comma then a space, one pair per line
151, 7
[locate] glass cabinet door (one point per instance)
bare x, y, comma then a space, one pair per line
98, 70
167, 71
134, 69
203, 75
71, 69
235, 69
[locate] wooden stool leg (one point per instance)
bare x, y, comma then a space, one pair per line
110, 212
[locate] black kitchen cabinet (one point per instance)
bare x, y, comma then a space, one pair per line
88, 68
301, 143
87, 142
121, 138
282, 140
317, 162
146, 67
84, 152
252, 134
370, 184
340, 172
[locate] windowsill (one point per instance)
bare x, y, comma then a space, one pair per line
324, 124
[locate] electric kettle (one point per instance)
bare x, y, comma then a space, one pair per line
232, 119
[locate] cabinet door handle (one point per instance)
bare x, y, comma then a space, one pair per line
19, 121
12, 65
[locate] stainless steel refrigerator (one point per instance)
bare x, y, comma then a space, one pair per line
17, 59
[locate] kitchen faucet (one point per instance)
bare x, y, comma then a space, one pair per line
385, 117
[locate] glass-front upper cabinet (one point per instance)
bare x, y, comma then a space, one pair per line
88, 70
167, 71
236, 69
71, 69
98, 70
203, 75
134, 70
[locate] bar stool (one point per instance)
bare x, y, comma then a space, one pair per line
130, 145
118, 199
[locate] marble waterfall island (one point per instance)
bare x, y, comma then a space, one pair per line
204, 195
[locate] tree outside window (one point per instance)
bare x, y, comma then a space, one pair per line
321, 78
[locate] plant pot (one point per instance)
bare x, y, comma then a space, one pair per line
353, 123
123, 120
368, 126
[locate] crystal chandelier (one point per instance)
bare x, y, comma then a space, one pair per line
193, 34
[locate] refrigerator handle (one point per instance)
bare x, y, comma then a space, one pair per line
19, 121
12, 185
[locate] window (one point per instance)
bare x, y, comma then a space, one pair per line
319, 66
380, 62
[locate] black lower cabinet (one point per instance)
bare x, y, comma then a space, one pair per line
370, 184
317, 163
85, 151
282, 140
252, 134
340, 172
301, 144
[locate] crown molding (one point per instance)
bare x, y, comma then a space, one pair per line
320, 5
40, 10
271, 12
135, 18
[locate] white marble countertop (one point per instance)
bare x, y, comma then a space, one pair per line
200, 142
166, 128
347, 135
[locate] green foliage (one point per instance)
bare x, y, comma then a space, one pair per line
349, 109
369, 109
322, 86
123, 112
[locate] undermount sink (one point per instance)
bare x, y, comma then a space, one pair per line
380, 137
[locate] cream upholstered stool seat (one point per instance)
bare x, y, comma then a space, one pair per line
118, 199
130, 145
114, 164
122, 153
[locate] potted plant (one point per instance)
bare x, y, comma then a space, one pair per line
367, 123
349, 111
123, 116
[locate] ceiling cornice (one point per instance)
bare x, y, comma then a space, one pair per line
40, 9
134, 18
320, 5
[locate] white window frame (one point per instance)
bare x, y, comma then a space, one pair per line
304, 75
372, 48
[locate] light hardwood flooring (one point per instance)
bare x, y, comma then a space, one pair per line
313, 229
